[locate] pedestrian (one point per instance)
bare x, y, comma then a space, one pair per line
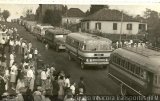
55, 89
18, 43
81, 85
69, 97
11, 45
61, 88
3, 42
12, 57
20, 84
31, 87
3, 60
48, 84
13, 74
30, 76
6, 77
37, 95
28, 95
67, 82
2, 85
73, 88
23, 48
35, 53
43, 78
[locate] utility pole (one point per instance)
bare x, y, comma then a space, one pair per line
120, 38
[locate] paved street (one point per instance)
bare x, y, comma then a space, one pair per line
96, 80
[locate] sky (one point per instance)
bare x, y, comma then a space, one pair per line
18, 9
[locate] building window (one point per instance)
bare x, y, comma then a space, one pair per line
129, 26
142, 27
98, 26
87, 25
114, 26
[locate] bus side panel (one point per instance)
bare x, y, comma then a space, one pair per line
127, 80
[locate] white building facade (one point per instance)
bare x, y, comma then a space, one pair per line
114, 27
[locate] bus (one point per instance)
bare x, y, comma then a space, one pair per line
55, 38
39, 31
136, 69
89, 50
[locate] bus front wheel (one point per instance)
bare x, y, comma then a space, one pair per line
123, 90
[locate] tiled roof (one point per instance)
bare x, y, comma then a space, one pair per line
74, 12
109, 15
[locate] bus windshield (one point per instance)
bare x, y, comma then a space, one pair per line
59, 36
94, 46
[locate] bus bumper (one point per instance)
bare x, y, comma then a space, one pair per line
61, 47
96, 63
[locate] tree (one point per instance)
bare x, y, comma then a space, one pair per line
52, 17
28, 12
153, 22
64, 9
5, 14
95, 8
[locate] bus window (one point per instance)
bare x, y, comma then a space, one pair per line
138, 70
122, 63
118, 60
143, 73
132, 68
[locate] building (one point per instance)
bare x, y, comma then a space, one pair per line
43, 7
112, 22
73, 16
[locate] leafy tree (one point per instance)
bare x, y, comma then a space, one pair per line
153, 22
64, 9
95, 8
52, 17
87, 12
5, 14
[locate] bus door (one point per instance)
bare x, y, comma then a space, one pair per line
149, 82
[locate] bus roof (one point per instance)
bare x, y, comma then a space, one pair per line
150, 59
84, 37
59, 31
41, 27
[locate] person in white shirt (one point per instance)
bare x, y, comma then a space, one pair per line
73, 88
11, 44
67, 81
6, 76
23, 47
18, 43
35, 53
30, 75
43, 78
13, 74
11, 59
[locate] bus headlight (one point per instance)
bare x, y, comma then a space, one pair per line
106, 59
91, 60
87, 60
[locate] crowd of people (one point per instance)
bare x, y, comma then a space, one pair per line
129, 43
22, 79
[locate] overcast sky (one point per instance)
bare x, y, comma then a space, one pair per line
18, 9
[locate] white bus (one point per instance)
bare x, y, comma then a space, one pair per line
39, 31
89, 49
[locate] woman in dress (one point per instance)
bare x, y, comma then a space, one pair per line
61, 88
13, 74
